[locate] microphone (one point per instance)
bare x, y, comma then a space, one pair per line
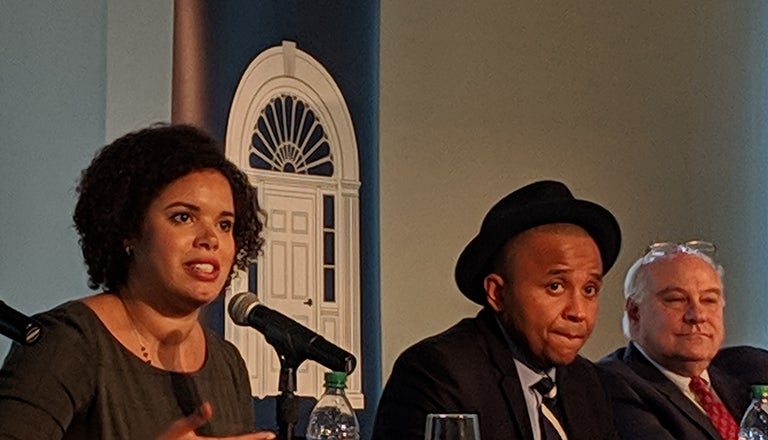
288, 337
18, 326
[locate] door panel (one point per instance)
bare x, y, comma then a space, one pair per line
292, 262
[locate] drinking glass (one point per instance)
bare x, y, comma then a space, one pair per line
452, 427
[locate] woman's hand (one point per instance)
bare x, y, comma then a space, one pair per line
184, 429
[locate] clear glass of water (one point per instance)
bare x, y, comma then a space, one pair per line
452, 427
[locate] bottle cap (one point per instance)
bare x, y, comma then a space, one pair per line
759, 391
336, 379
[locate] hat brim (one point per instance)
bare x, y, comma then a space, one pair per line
475, 261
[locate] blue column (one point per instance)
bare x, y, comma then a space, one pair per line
343, 36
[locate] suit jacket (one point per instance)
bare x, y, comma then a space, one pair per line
647, 405
469, 368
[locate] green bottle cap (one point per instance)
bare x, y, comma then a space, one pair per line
336, 379
759, 391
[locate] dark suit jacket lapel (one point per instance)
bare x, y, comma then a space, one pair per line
510, 387
574, 398
645, 369
732, 392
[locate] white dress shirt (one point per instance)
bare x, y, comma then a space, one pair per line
681, 382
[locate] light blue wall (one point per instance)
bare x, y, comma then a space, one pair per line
139, 61
52, 89
65, 69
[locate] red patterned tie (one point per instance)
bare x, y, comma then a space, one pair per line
719, 416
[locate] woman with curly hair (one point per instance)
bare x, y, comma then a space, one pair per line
163, 220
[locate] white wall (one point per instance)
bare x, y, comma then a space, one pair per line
654, 109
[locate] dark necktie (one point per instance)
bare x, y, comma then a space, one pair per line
721, 419
549, 413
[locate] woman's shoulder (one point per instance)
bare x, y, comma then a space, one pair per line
218, 346
46, 382
64, 350
67, 331
223, 356
72, 317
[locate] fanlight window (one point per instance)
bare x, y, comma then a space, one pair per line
290, 138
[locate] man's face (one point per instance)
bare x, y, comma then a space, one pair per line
546, 290
678, 320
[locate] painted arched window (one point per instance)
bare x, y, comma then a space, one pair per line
289, 137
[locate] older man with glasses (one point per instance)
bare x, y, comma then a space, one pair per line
673, 380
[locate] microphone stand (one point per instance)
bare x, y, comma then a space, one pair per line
287, 414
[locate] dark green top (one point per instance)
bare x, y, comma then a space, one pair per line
79, 382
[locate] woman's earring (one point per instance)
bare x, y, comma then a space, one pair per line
128, 251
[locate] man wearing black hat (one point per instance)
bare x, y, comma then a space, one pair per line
536, 267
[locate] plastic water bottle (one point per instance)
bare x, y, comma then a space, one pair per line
332, 418
754, 424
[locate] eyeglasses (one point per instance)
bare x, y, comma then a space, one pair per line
695, 247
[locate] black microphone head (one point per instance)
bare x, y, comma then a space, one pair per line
241, 305
18, 326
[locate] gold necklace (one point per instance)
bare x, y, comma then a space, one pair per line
142, 346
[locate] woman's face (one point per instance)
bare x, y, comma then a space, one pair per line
186, 248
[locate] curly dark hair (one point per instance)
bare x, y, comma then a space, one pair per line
126, 175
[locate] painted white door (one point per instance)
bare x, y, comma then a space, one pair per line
290, 272
286, 78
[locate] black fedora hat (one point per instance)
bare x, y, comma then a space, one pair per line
536, 204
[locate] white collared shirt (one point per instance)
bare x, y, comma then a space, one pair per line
681, 382
528, 378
